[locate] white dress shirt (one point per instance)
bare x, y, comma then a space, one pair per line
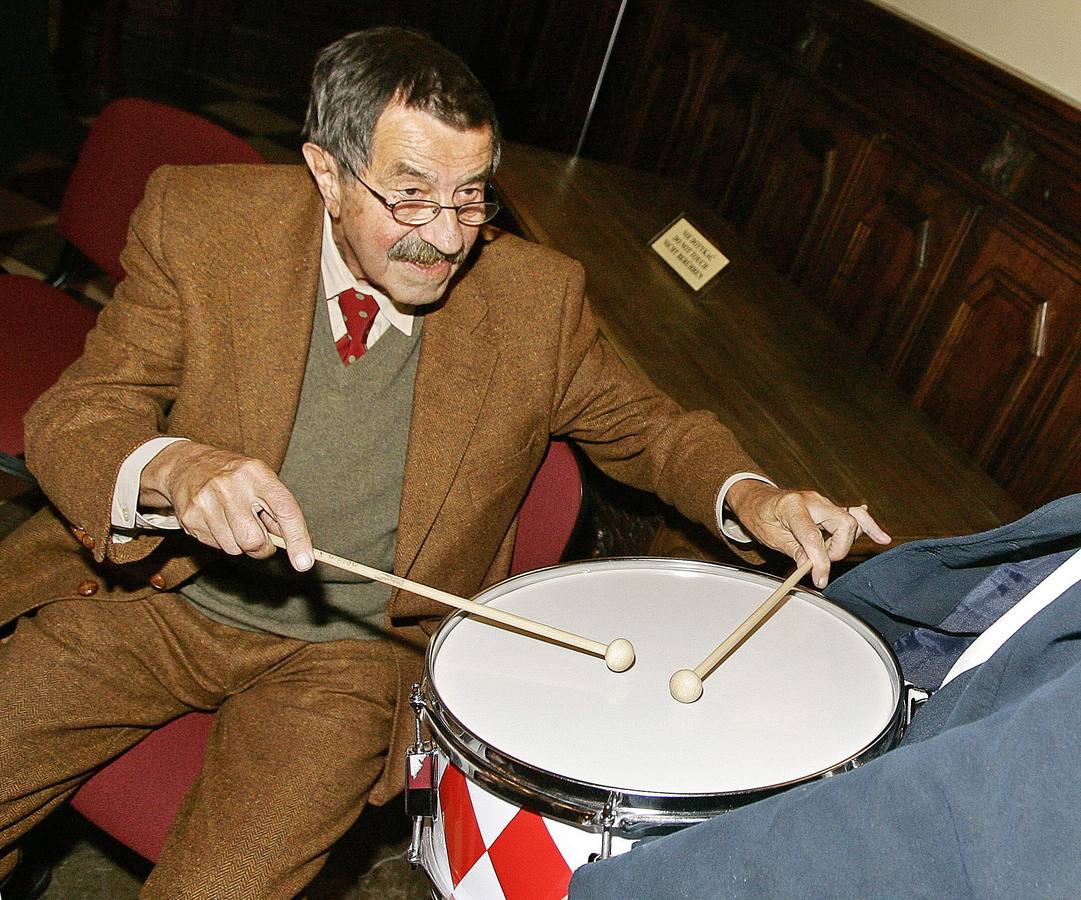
337, 278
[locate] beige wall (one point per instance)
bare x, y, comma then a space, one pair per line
1040, 40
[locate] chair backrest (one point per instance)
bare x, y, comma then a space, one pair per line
127, 142
43, 332
550, 511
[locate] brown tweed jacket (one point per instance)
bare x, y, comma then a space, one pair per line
207, 338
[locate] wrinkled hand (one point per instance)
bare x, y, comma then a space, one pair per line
793, 521
226, 500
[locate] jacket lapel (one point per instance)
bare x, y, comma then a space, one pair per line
274, 303
453, 377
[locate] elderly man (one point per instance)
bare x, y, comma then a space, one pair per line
342, 352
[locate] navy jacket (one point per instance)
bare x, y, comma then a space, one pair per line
981, 799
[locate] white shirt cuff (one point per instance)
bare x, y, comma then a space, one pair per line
125, 511
728, 523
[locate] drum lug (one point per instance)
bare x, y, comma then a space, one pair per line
420, 794
412, 855
421, 765
421, 797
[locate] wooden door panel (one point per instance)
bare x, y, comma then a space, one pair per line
995, 344
998, 354
657, 62
815, 152
667, 101
886, 257
718, 143
1045, 462
686, 98
884, 263
556, 54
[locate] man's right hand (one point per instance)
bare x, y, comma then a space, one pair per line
226, 500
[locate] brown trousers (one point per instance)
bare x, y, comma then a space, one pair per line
299, 739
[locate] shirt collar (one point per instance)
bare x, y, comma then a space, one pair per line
337, 278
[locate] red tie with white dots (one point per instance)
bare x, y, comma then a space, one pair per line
359, 311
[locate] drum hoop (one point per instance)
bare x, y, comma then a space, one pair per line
637, 813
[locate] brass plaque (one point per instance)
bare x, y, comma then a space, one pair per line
686, 250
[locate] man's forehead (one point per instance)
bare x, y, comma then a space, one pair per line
424, 173
408, 141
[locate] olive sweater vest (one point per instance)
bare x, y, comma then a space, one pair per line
344, 465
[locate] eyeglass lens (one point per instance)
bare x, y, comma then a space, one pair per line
421, 212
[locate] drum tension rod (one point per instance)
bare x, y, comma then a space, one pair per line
608, 821
417, 702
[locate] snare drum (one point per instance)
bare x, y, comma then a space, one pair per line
543, 759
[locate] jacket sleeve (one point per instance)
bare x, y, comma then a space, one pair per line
632, 431
988, 808
117, 394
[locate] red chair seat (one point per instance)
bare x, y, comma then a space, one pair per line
44, 330
136, 797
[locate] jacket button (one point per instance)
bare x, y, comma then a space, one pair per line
158, 581
86, 541
88, 588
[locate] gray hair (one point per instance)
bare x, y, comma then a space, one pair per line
358, 76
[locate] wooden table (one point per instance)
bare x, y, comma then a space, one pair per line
806, 404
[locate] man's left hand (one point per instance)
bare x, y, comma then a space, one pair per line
793, 522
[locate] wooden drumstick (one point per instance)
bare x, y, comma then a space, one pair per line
686, 684
618, 654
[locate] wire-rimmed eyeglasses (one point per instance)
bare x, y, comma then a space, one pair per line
421, 212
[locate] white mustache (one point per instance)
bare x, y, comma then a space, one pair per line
414, 249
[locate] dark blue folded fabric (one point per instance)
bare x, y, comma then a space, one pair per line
927, 654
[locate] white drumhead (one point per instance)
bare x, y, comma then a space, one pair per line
810, 689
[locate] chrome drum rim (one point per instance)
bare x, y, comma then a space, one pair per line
622, 811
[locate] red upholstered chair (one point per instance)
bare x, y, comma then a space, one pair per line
550, 512
135, 797
43, 328
127, 142
43, 332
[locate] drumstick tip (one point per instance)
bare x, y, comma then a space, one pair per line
619, 655
685, 686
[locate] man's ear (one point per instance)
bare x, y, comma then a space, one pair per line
324, 169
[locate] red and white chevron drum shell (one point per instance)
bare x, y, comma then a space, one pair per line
534, 740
